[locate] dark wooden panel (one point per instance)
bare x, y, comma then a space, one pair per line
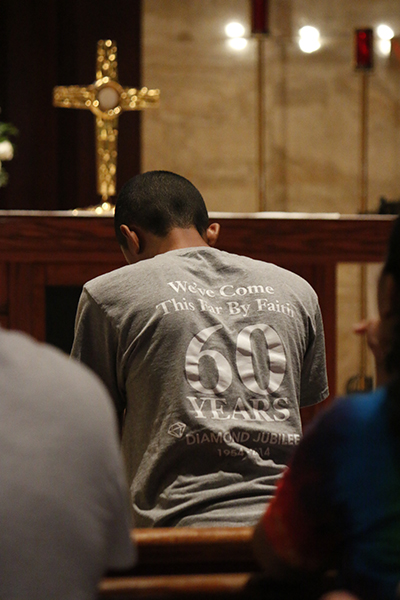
59, 239
27, 299
76, 274
4, 288
303, 240
284, 241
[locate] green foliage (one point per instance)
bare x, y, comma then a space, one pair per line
6, 131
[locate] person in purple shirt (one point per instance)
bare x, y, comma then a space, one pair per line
337, 506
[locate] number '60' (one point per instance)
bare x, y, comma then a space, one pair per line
244, 361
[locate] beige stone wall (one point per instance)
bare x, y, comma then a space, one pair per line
207, 126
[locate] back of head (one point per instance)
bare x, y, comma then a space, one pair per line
158, 201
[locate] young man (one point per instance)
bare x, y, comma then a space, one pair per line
207, 355
64, 502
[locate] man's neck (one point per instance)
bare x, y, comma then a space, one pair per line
176, 239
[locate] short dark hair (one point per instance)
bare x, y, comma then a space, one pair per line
158, 201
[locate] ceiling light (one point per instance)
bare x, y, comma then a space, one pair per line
309, 40
234, 30
309, 32
238, 43
384, 32
384, 47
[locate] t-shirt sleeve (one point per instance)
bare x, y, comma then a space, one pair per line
96, 345
301, 523
314, 379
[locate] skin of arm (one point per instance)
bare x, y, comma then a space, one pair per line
379, 331
92, 325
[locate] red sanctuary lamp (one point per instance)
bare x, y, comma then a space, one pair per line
260, 17
364, 62
364, 49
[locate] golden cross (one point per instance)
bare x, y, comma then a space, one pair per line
107, 99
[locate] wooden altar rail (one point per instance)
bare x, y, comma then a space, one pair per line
43, 249
183, 563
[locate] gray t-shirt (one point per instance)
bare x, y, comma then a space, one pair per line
64, 500
211, 354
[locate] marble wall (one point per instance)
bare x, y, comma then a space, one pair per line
207, 127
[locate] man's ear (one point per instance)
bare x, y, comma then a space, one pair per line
212, 234
132, 249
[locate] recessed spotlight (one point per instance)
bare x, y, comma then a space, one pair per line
384, 47
384, 32
238, 43
234, 30
309, 40
309, 46
309, 32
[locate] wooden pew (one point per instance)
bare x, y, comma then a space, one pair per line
186, 563
220, 586
194, 550
201, 564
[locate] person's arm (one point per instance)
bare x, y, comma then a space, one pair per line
314, 380
96, 345
300, 534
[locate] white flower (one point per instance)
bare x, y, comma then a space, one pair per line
6, 150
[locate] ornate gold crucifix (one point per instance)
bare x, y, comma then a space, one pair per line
107, 99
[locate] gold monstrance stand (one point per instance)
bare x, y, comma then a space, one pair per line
107, 99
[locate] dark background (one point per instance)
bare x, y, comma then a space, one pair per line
49, 43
